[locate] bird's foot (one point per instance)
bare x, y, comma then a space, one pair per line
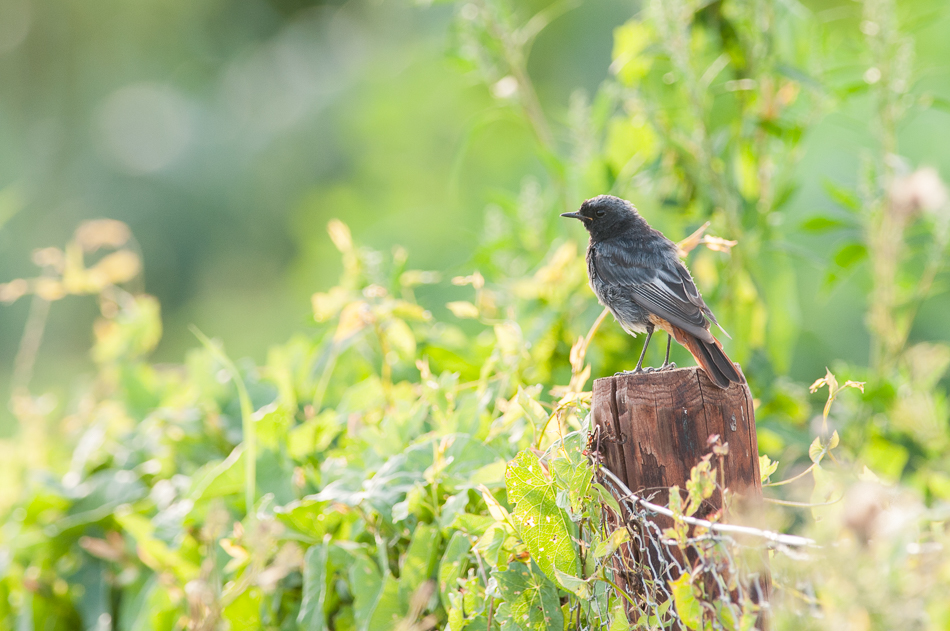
636, 371
669, 366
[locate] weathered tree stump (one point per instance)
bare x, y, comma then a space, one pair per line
651, 429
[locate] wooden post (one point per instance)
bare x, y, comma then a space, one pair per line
654, 427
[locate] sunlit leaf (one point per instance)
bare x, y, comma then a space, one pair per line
244, 612
542, 525
688, 607
816, 451
766, 467
630, 63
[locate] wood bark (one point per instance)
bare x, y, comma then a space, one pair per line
655, 427
651, 429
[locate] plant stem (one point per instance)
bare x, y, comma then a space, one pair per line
29, 345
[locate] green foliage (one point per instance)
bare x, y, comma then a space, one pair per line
412, 465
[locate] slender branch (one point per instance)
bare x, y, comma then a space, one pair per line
792, 479
593, 329
29, 345
773, 500
620, 591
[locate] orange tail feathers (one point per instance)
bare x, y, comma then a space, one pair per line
711, 357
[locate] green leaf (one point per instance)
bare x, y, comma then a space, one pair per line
312, 617
545, 529
309, 517
491, 545
833, 441
155, 552
272, 423
99, 495
577, 586
244, 612
606, 497
154, 609
700, 486
766, 467
365, 585
688, 608
533, 411
312, 437
532, 599
453, 565
401, 338
885, 458
850, 255
387, 609
618, 616
219, 479
844, 197
418, 565
575, 476
821, 223
676, 500
816, 451
609, 545
630, 63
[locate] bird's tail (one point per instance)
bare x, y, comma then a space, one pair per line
711, 357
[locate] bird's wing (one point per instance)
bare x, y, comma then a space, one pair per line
666, 290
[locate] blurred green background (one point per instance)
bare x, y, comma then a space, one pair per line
227, 133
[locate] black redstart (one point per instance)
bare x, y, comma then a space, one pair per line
635, 272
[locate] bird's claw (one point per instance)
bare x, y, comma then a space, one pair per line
637, 371
669, 366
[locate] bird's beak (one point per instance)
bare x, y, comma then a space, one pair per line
573, 215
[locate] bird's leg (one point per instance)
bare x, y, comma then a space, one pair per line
667, 365
643, 353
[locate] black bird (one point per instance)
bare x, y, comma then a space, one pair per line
636, 273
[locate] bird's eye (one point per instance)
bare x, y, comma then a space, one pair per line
600, 212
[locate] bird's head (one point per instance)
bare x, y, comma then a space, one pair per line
605, 215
